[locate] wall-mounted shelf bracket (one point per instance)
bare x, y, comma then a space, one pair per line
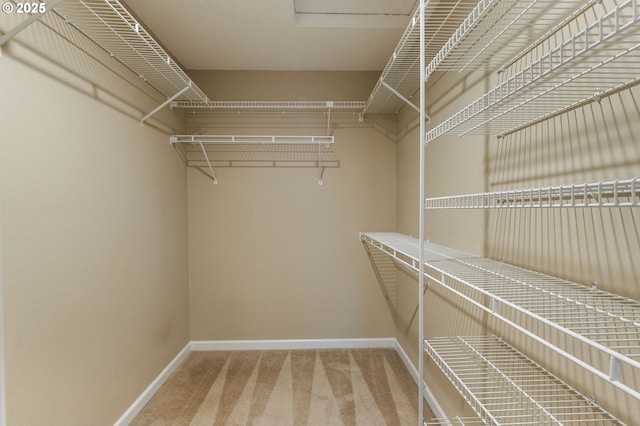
42, 9
212, 175
164, 104
405, 100
321, 175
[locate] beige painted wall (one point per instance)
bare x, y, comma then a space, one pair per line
592, 143
274, 255
94, 235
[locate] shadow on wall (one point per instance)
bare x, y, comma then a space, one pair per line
59, 51
590, 144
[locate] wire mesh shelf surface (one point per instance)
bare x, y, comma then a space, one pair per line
598, 60
606, 323
496, 32
256, 151
110, 25
504, 387
402, 71
616, 193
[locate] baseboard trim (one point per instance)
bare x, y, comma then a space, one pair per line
413, 371
291, 344
148, 393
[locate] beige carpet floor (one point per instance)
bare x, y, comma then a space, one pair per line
304, 387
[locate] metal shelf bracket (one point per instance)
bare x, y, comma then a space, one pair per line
405, 100
162, 105
213, 175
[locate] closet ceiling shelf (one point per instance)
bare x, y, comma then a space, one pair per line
615, 193
605, 324
599, 60
503, 386
110, 25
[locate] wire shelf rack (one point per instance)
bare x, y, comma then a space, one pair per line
110, 25
598, 60
456, 421
256, 151
402, 71
271, 105
505, 387
616, 193
497, 32
598, 322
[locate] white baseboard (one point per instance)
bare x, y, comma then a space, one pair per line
248, 345
235, 345
413, 371
148, 393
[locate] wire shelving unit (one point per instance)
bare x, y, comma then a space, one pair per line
461, 36
496, 32
400, 79
608, 325
206, 152
503, 386
271, 105
594, 62
616, 193
110, 25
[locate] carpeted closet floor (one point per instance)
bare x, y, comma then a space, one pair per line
302, 387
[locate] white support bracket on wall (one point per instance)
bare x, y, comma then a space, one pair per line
165, 103
213, 175
405, 100
47, 7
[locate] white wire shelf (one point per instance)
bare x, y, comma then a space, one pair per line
598, 60
402, 71
271, 105
498, 31
110, 25
606, 326
616, 193
206, 152
505, 387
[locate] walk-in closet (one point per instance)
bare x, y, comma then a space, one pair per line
305, 212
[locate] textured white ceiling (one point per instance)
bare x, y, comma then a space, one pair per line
340, 35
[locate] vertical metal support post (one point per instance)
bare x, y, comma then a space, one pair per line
3, 390
421, 222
